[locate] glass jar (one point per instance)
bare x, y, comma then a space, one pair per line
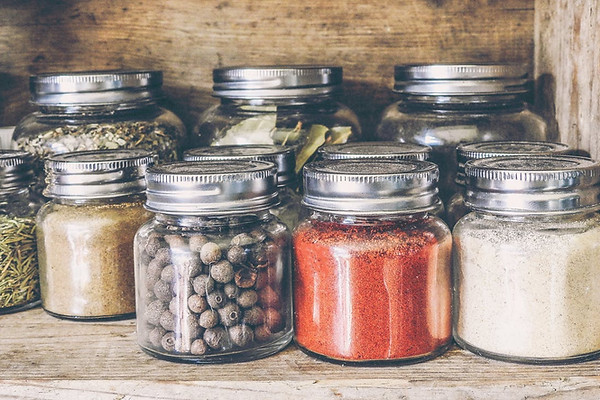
374, 150
85, 233
213, 265
526, 260
372, 264
283, 158
456, 207
98, 110
444, 105
19, 279
284, 105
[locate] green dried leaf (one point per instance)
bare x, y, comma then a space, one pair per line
255, 130
316, 138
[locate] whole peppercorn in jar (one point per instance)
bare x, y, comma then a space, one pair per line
444, 105
19, 279
85, 233
283, 105
372, 264
98, 110
288, 208
213, 266
526, 259
456, 207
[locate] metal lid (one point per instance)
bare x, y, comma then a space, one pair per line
532, 184
276, 82
478, 150
16, 170
371, 187
374, 150
461, 79
212, 187
282, 157
97, 174
94, 87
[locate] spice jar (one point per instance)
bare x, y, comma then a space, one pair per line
284, 105
19, 280
213, 266
98, 110
372, 264
283, 157
456, 207
374, 150
444, 105
85, 233
526, 259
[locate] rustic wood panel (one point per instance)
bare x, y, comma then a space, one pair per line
188, 38
567, 58
42, 357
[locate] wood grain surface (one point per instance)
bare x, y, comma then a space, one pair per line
43, 357
188, 38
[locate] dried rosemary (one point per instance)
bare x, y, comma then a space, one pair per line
19, 281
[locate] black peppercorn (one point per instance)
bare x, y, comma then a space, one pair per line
153, 243
216, 337
163, 255
203, 284
222, 271
208, 319
236, 255
168, 273
231, 290
167, 320
230, 314
192, 328
153, 312
199, 347
216, 299
197, 303
162, 291
254, 316
168, 342
243, 239
175, 241
196, 242
247, 298
241, 335
155, 336
210, 253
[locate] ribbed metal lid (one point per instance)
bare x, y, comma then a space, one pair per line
374, 150
461, 79
532, 184
282, 157
273, 82
371, 187
97, 174
478, 150
16, 170
212, 187
94, 87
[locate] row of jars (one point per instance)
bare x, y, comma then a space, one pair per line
440, 106
372, 260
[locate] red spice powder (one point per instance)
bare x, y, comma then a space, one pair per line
368, 292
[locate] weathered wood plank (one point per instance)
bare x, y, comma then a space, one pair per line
187, 39
567, 66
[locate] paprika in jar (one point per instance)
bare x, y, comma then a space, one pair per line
372, 263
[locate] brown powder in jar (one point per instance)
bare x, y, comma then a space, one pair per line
86, 258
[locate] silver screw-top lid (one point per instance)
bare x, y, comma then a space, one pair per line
461, 80
16, 170
371, 187
95, 87
276, 82
282, 157
374, 150
503, 148
97, 174
212, 187
533, 184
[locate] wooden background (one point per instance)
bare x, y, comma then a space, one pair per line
188, 38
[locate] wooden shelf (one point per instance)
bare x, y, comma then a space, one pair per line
46, 358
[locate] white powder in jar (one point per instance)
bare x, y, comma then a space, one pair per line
528, 289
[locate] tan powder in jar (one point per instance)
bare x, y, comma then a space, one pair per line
86, 258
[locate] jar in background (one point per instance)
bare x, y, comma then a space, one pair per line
85, 233
284, 105
444, 105
288, 208
456, 207
526, 259
213, 266
372, 264
98, 110
19, 279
